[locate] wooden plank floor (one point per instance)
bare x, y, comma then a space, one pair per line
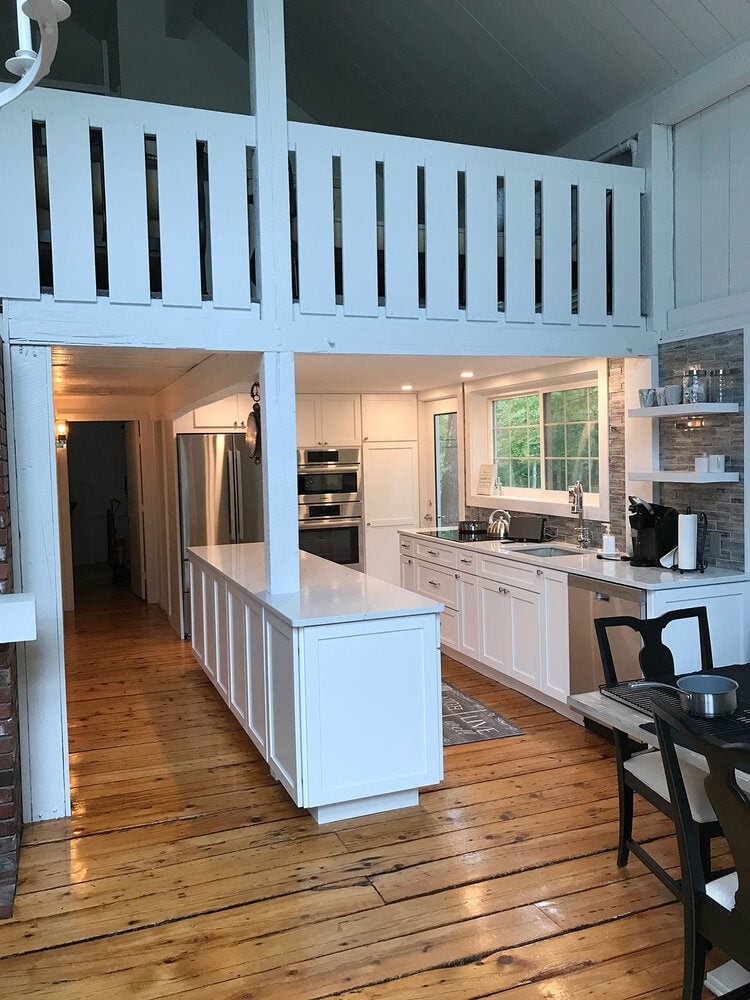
186, 872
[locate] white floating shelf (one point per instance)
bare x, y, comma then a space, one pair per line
665, 476
684, 410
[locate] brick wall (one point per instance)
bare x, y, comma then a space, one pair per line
10, 764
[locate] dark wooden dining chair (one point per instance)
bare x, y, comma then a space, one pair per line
643, 772
716, 912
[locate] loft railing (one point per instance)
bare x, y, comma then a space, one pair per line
132, 201
392, 225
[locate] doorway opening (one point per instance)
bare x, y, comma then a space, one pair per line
101, 492
440, 471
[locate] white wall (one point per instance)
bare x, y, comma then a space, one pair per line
712, 202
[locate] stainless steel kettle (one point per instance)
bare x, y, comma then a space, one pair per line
499, 523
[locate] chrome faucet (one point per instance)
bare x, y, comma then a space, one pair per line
575, 497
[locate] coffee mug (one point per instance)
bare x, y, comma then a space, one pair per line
674, 395
661, 395
717, 463
647, 396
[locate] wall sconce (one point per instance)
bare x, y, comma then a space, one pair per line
691, 424
61, 433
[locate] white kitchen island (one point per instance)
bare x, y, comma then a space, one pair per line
337, 685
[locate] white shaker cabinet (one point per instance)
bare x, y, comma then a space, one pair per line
228, 414
408, 573
494, 625
555, 666
389, 417
391, 490
468, 617
331, 420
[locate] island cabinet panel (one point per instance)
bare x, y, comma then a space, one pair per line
209, 610
372, 697
222, 637
257, 716
238, 655
283, 705
197, 600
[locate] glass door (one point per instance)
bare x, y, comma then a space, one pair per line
440, 469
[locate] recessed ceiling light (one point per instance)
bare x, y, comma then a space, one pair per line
467, 374
406, 388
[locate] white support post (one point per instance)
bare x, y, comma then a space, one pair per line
36, 541
655, 154
279, 457
273, 266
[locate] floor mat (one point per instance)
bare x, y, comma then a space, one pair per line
466, 720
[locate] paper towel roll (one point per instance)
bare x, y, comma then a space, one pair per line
687, 541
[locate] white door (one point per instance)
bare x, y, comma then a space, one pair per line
494, 625
391, 503
440, 465
135, 509
525, 636
339, 420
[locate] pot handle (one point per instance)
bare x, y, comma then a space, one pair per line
653, 684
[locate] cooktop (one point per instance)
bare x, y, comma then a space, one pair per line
452, 535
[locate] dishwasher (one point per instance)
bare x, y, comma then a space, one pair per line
587, 601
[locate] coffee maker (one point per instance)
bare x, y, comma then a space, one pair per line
653, 530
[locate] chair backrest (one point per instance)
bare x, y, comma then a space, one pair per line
731, 803
655, 658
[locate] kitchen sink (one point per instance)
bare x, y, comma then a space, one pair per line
547, 551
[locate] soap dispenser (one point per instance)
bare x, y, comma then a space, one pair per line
609, 546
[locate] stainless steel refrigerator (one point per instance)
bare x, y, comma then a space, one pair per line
221, 497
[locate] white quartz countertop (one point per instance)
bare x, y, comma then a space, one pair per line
328, 592
583, 562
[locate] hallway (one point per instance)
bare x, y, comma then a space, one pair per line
186, 871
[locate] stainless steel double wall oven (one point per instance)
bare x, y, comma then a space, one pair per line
329, 492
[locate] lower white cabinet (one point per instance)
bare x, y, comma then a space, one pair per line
555, 666
525, 636
408, 573
494, 623
281, 678
468, 618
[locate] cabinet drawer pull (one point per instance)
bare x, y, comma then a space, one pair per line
598, 596
466, 561
538, 572
433, 583
432, 552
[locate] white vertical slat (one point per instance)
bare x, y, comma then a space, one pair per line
556, 249
71, 208
19, 251
178, 217
359, 233
739, 192
229, 220
315, 251
715, 203
127, 222
481, 242
520, 243
687, 214
441, 239
592, 253
626, 255
401, 248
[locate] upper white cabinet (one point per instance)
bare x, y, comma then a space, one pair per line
389, 417
333, 419
229, 413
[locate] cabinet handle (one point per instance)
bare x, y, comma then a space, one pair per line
598, 596
432, 552
538, 572
466, 561
368, 524
503, 590
365, 439
433, 583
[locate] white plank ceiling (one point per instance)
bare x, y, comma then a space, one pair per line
120, 371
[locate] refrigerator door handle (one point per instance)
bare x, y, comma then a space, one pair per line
240, 503
232, 497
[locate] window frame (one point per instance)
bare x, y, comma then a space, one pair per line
480, 439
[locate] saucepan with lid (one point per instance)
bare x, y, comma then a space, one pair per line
705, 695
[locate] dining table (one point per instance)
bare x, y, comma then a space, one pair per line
628, 710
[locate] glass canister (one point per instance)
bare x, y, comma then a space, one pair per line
721, 386
695, 385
